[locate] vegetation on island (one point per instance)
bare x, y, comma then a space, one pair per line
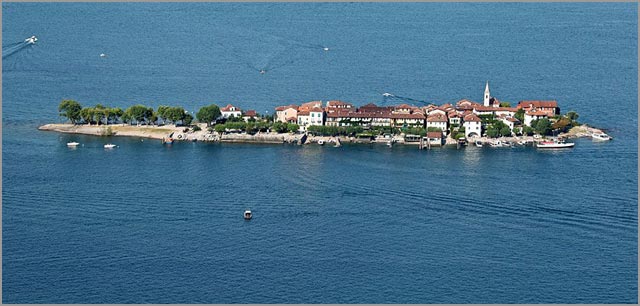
211, 115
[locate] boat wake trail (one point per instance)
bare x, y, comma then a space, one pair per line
14, 48
264, 52
391, 99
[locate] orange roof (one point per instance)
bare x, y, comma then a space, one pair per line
228, 108
281, 108
407, 116
537, 103
437, 118
250, 113
336, 103
472, 118
537, 113
434, 134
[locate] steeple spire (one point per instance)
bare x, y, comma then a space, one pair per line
487, 95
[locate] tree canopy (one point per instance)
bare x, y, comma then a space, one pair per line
70, 109
208, 114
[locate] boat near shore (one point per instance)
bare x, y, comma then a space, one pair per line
600, 137
109, 146
555, 144
72, 144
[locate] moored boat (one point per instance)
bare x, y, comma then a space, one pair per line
321, 142
168, 140
600, 137
109, 146
72, 144
556, 144
478, 143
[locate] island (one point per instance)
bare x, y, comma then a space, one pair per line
492, 123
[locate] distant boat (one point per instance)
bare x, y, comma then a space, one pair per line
167, 140
600, 137
109, 146
72, 144
247, 214
321, 142
478, 143
325, 49
31, 40
556, 144
103, 55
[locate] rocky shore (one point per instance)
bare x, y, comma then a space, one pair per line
184, 134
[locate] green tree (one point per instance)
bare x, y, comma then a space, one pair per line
493, 132
86, 114
138, 113
279, 127
220, 128
561, 124
292, 127
434, 129
70, 109
505, 131
543, 126
162, 113
573, 116
208, 114
527, 130
519, 115
505, 104
517, 131
188, 118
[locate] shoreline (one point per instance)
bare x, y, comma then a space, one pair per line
179, 134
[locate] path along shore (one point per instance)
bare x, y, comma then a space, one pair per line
179, 134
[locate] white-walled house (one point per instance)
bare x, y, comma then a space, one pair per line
438, 120
229, 111
534, 115
472, 126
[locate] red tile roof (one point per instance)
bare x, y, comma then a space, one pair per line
437, 118
538, 104
250, 113
472, 118
228, 108
434, 134
281, 108
408, 116
337, 103
537, 113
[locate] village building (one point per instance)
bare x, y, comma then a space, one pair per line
287, 114
438, 120
534, 115
435, 138
250, 114
549, 107
472, 125
229, 111
336, 105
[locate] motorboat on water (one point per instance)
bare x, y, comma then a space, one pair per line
103, 55
325, 48
72, 144
247, 214
478, 143
600, 137
321, 142
167, 140
109, 146
555, 144
31, 40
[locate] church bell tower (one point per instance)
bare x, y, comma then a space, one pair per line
487, 95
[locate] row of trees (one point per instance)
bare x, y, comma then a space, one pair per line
253, 127
138, 114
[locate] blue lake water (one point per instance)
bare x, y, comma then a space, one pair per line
358, 224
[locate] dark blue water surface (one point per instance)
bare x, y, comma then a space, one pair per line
361, 223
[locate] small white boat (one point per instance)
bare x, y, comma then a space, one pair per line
103, 55
247, 214
556, 144
321, 142
31, 40
390, 143
325, 49
109, 146
600, 137
72, 144
478, 144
